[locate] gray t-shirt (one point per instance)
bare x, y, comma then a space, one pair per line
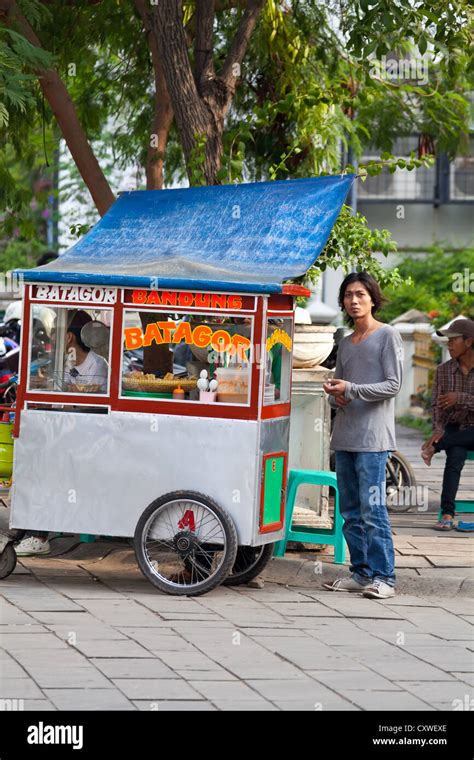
373, 370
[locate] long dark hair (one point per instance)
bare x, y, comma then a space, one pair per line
372, 287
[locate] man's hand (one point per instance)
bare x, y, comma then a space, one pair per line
445, 400
335, 387
342, 401
434, 439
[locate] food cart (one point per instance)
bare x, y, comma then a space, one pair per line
162, 413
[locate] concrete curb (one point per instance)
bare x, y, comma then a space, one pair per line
302, 571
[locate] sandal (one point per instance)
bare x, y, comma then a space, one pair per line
465, 527
444, 524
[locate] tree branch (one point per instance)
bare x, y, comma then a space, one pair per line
231, 69
62, 106
203, 42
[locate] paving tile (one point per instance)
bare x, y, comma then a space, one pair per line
9, 668
86, 632
355, 606
164, 603
78, 617
304, 690
225, 690
187, 660
19, 688
154, 641
62, 658
449, 657
89, 699
78, 677
437, 691
238, 706
130, 667
341, 681
123, 612
305, 609
386, 700
103, 648
161, 705
154, 688
38, 705
18, 630
32, 602
192, 617
467, 678
9, 614
337, 703
206, 675
11, 642
288, 631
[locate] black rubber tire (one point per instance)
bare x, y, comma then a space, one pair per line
408, 479
7, 561
240, 575
194, 589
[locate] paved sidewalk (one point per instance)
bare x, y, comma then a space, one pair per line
427, 561
85, 631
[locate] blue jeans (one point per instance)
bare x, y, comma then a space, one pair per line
361, 484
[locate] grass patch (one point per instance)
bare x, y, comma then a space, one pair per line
417, 423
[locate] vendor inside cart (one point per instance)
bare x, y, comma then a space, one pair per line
84, 368
77, 362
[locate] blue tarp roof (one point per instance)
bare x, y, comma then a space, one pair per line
248, 237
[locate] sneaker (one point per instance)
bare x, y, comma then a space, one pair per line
32, 545
346, 584
378, 590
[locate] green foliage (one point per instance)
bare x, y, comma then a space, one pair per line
18, 253
417, 423
308, 86
438, 288
197, 160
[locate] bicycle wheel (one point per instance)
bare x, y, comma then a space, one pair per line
185, 543
400, 483
249, 562
7, 561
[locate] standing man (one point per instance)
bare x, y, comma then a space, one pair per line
368, 376
453, 414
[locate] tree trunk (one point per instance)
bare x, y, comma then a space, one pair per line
62, 106
194, 118
201, 100
163, 116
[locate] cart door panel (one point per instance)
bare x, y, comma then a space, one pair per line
273, 492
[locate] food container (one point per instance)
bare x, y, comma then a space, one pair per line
233, 385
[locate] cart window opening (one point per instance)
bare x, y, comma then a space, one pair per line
278, 360
73, 356
41, 407
202, 358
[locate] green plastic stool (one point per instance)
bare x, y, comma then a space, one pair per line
332, 536
87, 538
466, 505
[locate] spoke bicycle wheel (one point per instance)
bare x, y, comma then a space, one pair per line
185, 543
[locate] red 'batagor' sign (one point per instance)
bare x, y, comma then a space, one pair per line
188, 300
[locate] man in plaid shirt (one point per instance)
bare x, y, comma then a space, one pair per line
453, 413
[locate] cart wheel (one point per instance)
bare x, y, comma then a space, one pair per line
7, 561
249, 562
185, 543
